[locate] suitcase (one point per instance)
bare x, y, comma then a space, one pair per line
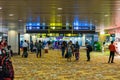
77, 55
46, 50
25, 54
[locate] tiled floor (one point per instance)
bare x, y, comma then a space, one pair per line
53, 67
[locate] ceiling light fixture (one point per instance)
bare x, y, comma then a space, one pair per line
0, 7
58, 15
20, 20
106, 15
95, 20
11, 14
59, 8
118, 9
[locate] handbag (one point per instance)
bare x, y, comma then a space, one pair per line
66, 55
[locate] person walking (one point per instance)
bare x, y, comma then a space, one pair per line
25, 46
88, 50
76, 50
69, 51
63, 48
112, 52
31, 46
39, 46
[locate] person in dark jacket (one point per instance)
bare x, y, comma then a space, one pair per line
76, 50
31, 46
63, 48
88, 51
39, 46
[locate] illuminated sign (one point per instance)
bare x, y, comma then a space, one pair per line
32, 26
82, 24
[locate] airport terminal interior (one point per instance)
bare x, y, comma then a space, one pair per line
59, 39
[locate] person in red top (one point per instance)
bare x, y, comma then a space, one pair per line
112, 52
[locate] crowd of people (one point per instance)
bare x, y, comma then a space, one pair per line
68, 50
34, 47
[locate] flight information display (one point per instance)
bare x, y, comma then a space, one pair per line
42, 28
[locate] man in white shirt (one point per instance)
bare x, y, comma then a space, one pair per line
25, 45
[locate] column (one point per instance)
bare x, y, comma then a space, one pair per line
34, 38
13, 40
102, 38
83, 40
27, 37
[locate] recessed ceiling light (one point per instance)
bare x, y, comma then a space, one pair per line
11, 14
95, 20
118, 9
20, 20
59, 8
58, 15
0, 7
106, 15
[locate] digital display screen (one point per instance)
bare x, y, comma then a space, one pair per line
42, 28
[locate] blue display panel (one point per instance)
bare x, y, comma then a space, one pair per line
32, 26
76, 27
83, 25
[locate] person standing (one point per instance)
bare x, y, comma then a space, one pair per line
31, 46
25, 46
76, 50
103, 47
63, 48
112, 52
88, 50
69, 51
39, 46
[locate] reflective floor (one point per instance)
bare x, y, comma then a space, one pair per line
53, 67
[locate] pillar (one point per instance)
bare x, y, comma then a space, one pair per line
102, 37
13, 40
27, 37
34, 38
83, 40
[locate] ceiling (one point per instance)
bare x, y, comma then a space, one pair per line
102, 13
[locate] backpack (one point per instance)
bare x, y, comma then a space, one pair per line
25, 54
39, 46
66, 55
90, 48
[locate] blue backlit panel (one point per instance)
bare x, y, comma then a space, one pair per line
32, 26
76, 27
82, 25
